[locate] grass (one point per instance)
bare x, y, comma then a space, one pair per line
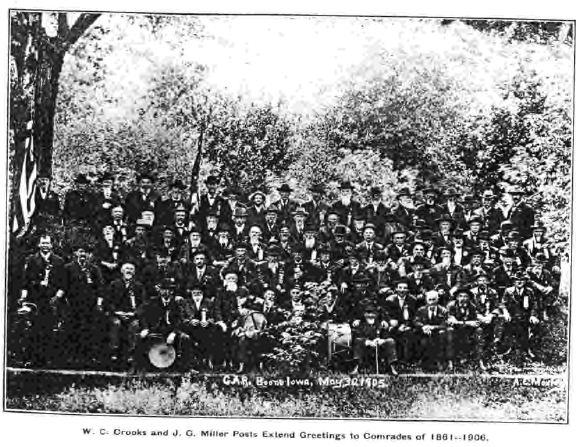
440, 397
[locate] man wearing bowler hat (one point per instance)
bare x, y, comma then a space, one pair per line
105, 200
212, 200
372, 343
145, 197
270, 228
466, 330
240, 228
401, 309
175, 201
521, 309
316, 207
346, 206
286, 206
452, 208
299, 216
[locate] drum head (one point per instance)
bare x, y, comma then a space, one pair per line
162, 355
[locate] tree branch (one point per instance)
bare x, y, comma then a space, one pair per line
80, 26
63, 28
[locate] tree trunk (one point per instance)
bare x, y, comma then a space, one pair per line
36, 61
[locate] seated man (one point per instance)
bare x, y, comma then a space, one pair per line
430, 322
161, 318
401, 308
371, 339
463, 322
202, 322
248, 334
487, 303
124, 304
520, 310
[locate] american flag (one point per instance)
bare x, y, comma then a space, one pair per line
25, 202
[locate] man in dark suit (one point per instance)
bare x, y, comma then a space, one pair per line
202, 322
41, 300
240, 229
401, 309
257, 209
167, 208
368, 247
270, 229
316, 207
213, 201
521, 309
490, 214
84, 327
503, 274
371, 339
145, 198
436, 341
376, 212
453, 209
403, 212
246, 268
429, 211
124, 304
79, 202
105, 201
346, 206
286, 206
467, 331
47, 204
521, 214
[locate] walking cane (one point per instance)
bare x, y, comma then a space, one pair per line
377, 361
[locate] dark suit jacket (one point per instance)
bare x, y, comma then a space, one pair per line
522, 216
118, 297
520, 306
404, 315
423, 317
83, 287
136, 203
35, 269
346, 212
78, 205
220, 205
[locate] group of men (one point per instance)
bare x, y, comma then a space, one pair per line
434, 283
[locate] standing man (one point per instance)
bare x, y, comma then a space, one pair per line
286, 206
44, 281
175, 201
212, 201
403, 212
79, 202
346, 206
521, 214
145, 198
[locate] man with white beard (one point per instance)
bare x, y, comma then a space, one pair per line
346, 206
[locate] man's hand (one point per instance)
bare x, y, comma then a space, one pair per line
384, 325
144, 333
534, 320
194, 322
356, 323
427, 329
204, 323
404, 328
54, 300
171, 338
222, 325
507, 317
472, 323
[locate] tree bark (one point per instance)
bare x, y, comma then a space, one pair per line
36, 62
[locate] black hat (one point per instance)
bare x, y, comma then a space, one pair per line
520, 276
272, 209
398, 231
242, 244
403, 192
401, 281
178, 184
168, 283
515, 190
309, 227
285, 187
223, 227
375, 190
297, 248
370, 309
273, 250
465, 290
256, 193
370, 225
359, 214
81, 179
211, 179
428, 191
340, 230
538, 226
346, 185
482, 273
106, 176
300, 210
353, 253
476, 219
195, 285
82, 246
484, 236
324, 248
514, 234
476, 251
507, 253
317, 188
439, 250
451, 192
445, 218
146, 174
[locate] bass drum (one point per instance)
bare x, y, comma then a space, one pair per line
161, 355
339, 338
